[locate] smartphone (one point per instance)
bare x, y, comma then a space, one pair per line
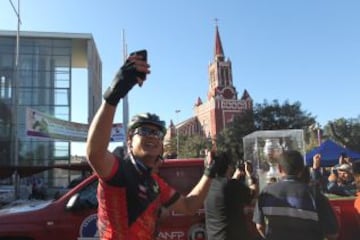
142, 53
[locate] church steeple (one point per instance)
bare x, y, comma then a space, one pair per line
222, 104
220, 73
219, 52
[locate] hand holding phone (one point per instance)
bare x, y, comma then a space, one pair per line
125, 79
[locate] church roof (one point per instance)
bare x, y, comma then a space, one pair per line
187, 121
219, 52
245, 95
198, 102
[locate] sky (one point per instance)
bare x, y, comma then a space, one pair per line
288, 50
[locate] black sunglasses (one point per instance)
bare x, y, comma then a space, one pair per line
146, 132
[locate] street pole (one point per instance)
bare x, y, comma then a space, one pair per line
125, 102
15, 101
177, 132
318, 133
316, 127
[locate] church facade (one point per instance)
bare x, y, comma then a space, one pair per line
222, 103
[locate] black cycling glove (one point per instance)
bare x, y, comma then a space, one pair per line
124, 80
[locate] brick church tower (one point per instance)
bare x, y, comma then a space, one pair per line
222, 104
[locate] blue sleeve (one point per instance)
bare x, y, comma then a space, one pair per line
332, 187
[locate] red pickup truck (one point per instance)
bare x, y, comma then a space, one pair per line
73, 216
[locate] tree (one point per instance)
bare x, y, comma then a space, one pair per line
189, 147
276, 116
265, 116
286, 116
230, 139
345, 132
193, 146
170, 149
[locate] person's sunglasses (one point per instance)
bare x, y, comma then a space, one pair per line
146, 132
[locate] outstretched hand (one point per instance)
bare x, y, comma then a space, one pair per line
316, 161
132, 72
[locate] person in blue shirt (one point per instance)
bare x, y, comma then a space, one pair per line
289, 209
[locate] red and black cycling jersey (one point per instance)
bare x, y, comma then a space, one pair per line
130, 200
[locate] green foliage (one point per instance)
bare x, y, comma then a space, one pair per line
189, 147
230, 139
192, 146
266, 116
170, 149
277, 116
344, 131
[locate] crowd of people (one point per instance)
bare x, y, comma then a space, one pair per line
290, 209
132, 196
338, 179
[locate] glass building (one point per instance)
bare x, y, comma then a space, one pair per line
36, 71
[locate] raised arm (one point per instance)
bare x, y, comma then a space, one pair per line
192, 202
100, 159
132, 72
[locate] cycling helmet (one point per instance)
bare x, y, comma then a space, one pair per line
147, 118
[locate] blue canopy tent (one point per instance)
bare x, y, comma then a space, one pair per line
330, 152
